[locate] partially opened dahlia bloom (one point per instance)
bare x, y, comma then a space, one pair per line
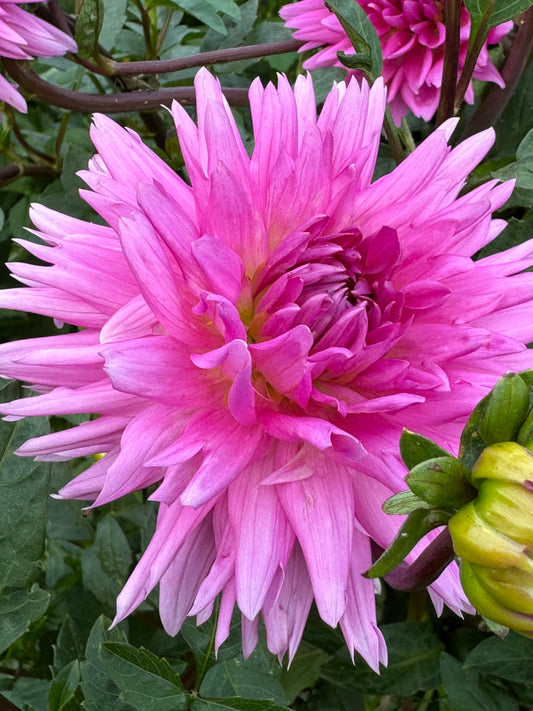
412, 34
254, 342
24, 36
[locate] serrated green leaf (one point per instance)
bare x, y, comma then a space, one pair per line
415, 449
362, 34
237, 703
88, 27
148, 683
99, 690
62, 696
24, 486
18, 608
253, 678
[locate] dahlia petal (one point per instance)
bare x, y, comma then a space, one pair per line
178, 587
150, 367
88, 484
145, 434
174, 526
147, 255
358, 623
262, 538
71, 359
86, 439
285, 613
222, 267
323, 525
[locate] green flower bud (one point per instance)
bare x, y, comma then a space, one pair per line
506, 409
441, 481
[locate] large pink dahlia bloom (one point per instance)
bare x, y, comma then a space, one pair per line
254, 342
24, 36
412, 34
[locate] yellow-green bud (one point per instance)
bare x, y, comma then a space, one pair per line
507, 461
475, 540
493, 535
490, 607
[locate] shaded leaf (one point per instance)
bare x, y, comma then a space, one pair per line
17, 609
24, 486
466, 690
88, 26
147, 682
62, 696
235, 703
414, 652
508, 658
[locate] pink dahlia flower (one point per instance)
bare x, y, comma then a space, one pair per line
254, 342
24, 36
412, 34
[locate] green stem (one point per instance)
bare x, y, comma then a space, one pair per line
163, 33
392, 136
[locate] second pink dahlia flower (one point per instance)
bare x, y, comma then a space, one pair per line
253, 343
24, 36
412, 34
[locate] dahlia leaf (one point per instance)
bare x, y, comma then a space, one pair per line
17, 609
236, 702
466, 690
415, 449
69, 645
62, 696
88, 26
414, 651
99, 690
254, 678
502, 10
508, 658
24, 486
148, 683
362, 35
106, 563
304, 670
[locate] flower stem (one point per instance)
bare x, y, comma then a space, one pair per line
451, 61
28, 80
201, 59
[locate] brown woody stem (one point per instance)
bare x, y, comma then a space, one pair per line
451, 61
202, 59
28, 80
